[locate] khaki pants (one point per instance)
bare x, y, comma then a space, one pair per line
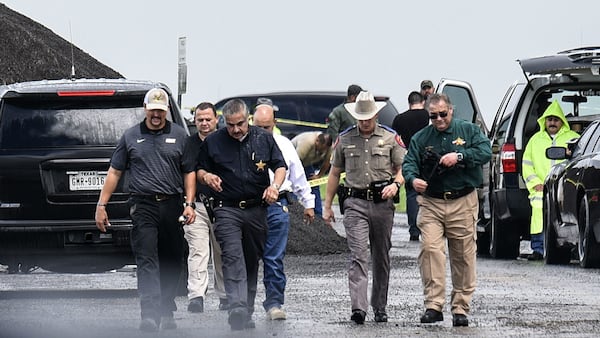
454, 220
197, 236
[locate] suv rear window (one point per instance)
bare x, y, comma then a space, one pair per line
52, 122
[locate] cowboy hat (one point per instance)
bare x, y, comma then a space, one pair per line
365, 106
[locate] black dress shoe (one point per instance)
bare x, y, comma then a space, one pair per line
196, 305
432, 316
460, 320
414, 237
381, 316
358, 316
535, 256
238, 318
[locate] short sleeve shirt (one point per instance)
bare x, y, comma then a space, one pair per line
368, 159
153, 160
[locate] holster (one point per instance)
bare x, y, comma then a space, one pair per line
342, 193
209, 205
377, 187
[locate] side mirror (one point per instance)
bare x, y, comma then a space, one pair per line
556, 153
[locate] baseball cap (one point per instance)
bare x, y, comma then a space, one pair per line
156, 98
426, 83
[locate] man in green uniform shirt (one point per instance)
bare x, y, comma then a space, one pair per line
443, 165
340, 119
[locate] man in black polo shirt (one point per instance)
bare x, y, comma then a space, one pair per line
234, 162
159, 174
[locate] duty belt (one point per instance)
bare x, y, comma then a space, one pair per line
155, 197
365, 194
450, 195
244, 204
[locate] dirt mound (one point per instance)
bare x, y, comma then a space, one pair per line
31, 51
312, 239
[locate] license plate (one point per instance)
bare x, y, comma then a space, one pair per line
86, 180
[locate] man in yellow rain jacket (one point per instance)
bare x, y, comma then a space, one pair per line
554, 131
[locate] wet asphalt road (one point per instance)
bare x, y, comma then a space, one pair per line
514, 298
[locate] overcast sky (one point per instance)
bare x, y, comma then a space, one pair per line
388, 47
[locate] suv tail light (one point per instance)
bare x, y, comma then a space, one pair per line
508, 155
87, 93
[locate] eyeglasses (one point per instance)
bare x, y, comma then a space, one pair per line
434, 116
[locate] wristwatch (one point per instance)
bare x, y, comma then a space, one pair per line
189, 204
276, 186
459, 156
398, 184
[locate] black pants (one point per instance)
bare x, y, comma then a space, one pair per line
241, 233
158, 245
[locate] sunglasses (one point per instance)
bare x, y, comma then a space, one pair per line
434, 116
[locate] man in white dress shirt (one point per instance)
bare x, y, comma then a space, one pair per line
278, 217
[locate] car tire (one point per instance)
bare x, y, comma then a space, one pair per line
589, 249
553, 254
483, 240
504, 238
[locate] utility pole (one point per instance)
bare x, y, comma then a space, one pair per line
182, 71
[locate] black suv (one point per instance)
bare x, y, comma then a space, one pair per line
307, 111
572, 78
56, 140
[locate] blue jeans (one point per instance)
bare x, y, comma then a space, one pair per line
412, 209
309, 171
537, 242
318, 204
274, 279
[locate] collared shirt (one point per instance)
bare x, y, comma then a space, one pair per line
192, 149
295, 178
461, 136
243, 166
366, 160
305, 147
339, 120
154, 160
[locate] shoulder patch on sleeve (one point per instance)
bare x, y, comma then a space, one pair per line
399, 141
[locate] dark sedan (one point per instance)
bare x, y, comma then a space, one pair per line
571, 202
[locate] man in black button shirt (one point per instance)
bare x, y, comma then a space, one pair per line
234, 163
158, 172
199, 235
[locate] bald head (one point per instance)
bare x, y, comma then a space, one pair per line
264, 117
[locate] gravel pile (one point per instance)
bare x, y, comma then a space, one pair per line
316, 238
31, 52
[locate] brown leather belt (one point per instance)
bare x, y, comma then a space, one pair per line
450, 195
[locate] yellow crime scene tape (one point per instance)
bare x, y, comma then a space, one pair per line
322, 180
